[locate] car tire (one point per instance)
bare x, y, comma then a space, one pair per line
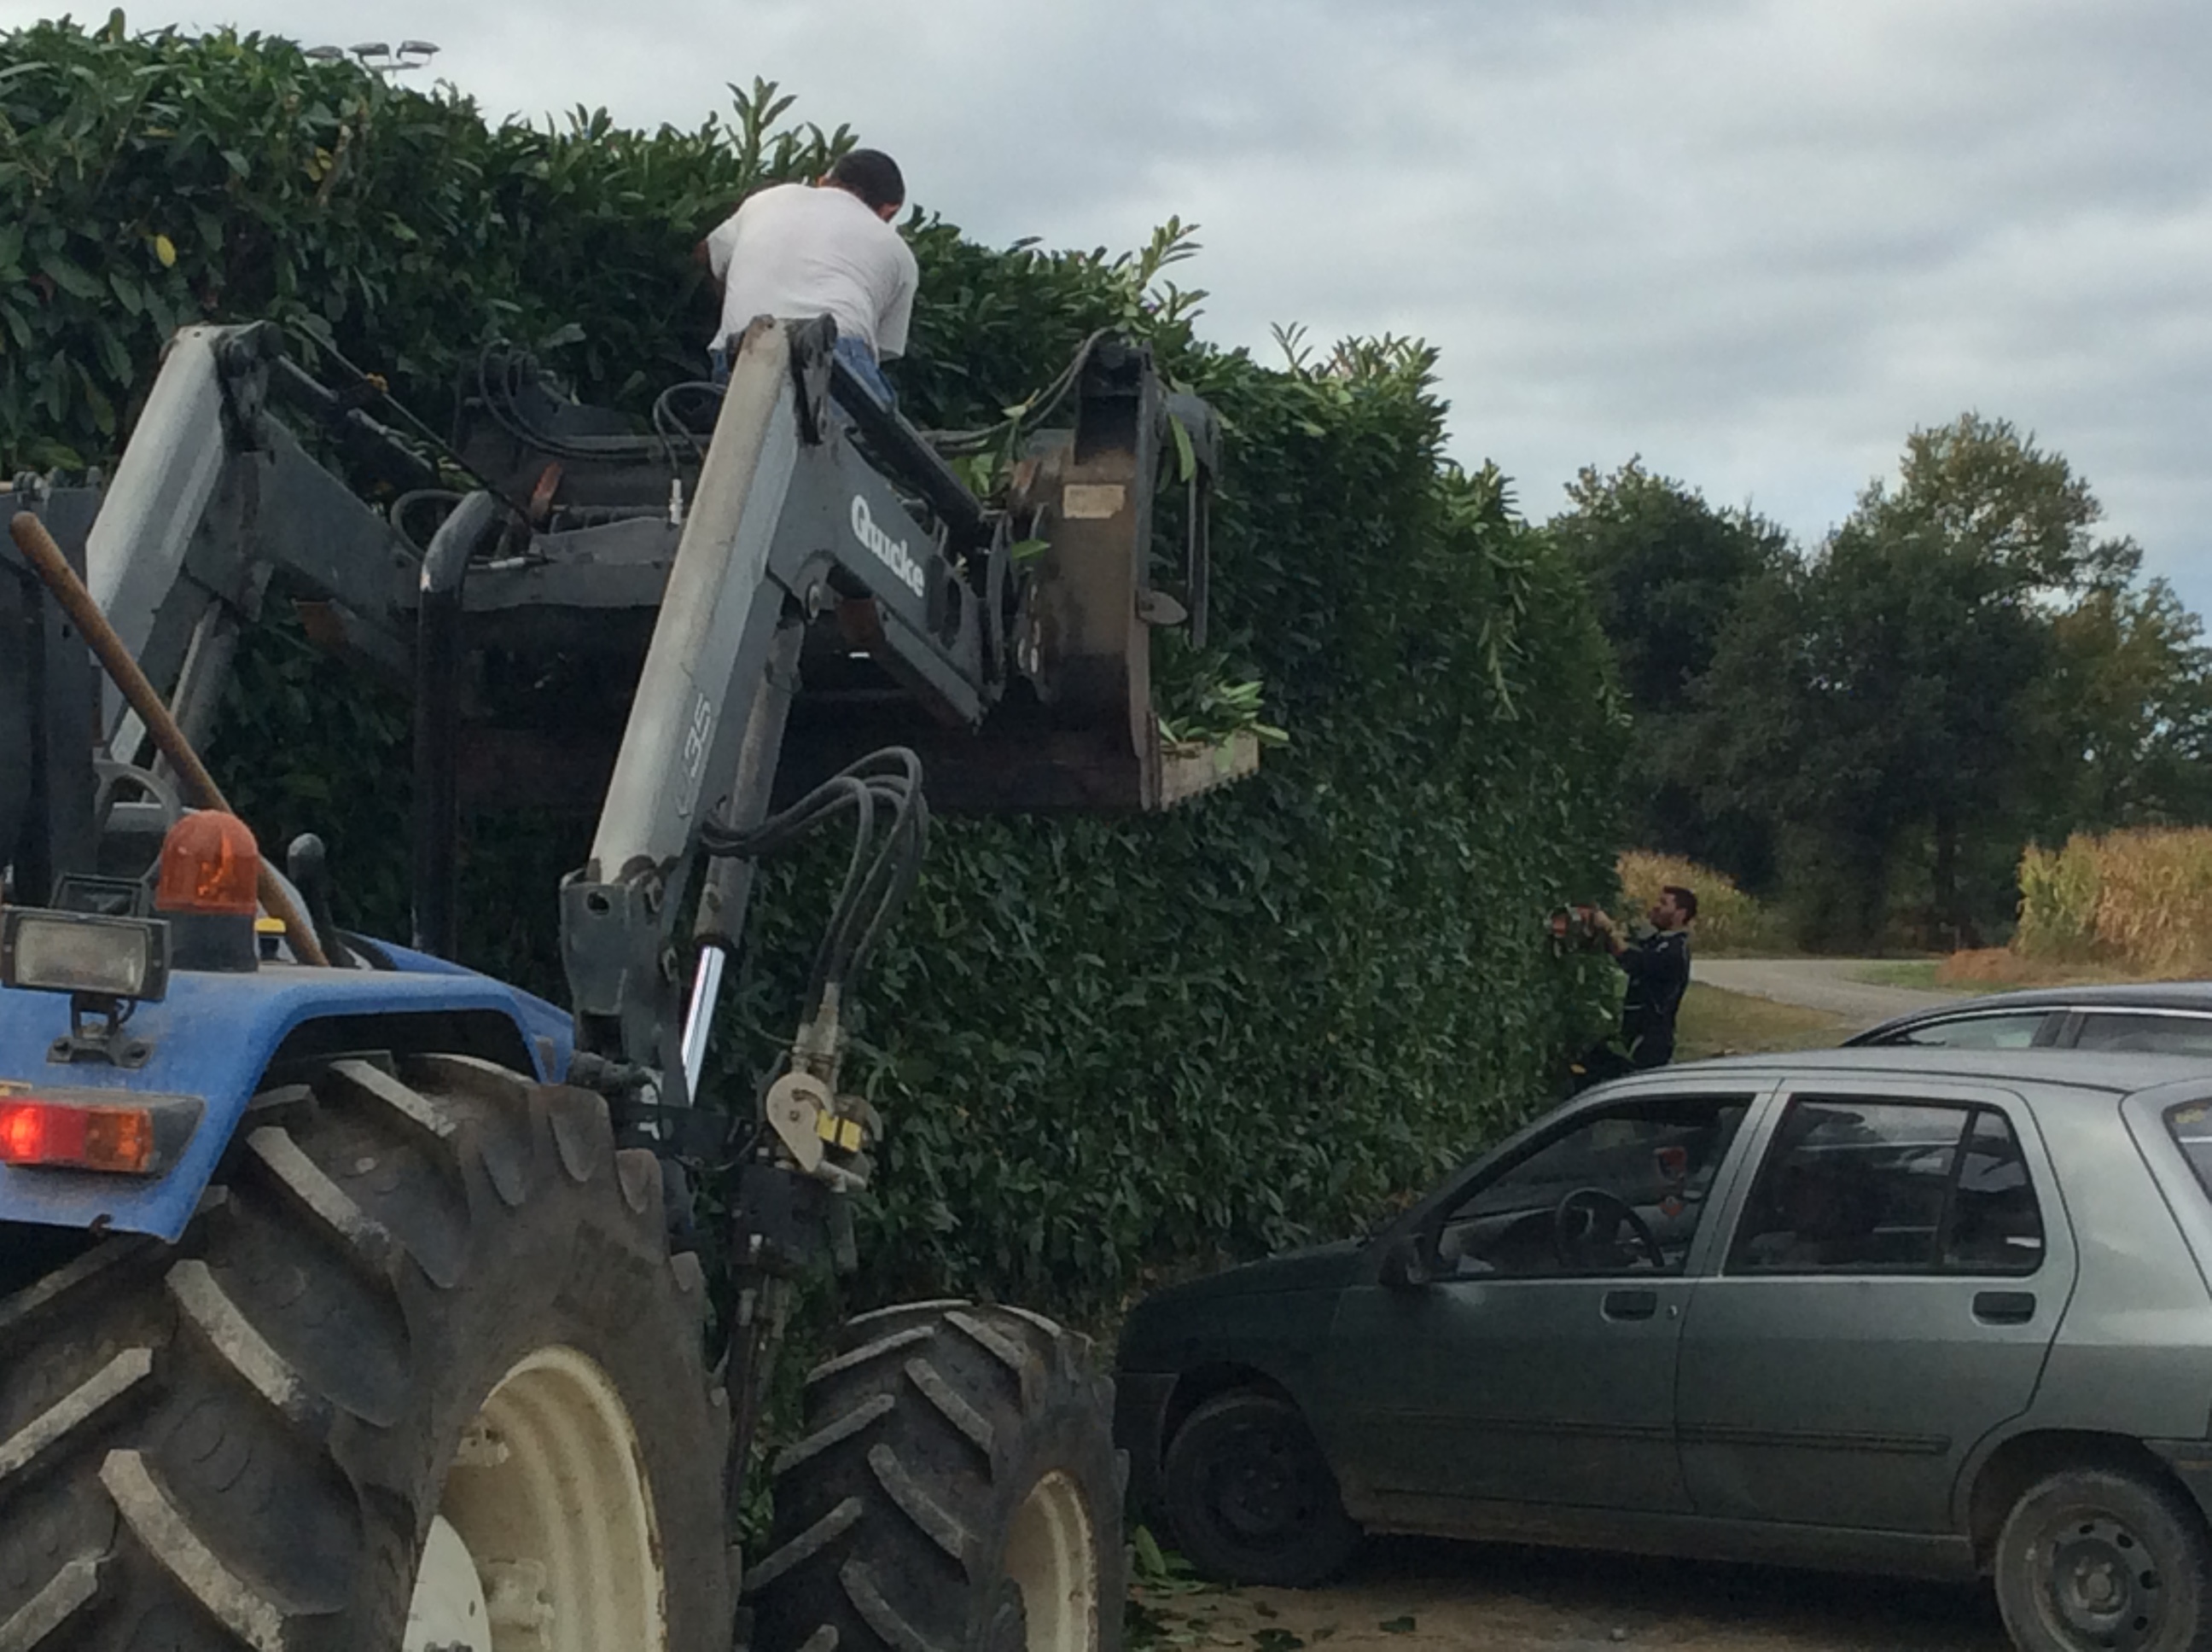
1250, 1498
2092, 1559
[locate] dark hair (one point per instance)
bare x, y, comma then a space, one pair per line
872, 175
1685, 900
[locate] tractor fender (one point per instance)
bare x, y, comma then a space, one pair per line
212, 1039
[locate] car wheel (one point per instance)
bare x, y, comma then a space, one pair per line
2093, 1560
1250, 1497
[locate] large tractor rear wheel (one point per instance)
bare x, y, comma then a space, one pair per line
957, 1491
422, 1376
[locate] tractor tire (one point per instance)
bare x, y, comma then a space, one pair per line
422, 1365
956, 1490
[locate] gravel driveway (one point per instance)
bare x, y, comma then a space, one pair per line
1823, 984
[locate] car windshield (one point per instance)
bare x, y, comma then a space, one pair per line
2015, 1030
1619, 1190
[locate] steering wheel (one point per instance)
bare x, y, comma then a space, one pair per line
1582, 1216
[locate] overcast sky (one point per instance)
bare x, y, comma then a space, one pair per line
1756, 241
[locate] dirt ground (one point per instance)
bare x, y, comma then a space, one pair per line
1408, 1595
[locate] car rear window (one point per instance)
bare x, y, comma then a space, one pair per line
2191, 1126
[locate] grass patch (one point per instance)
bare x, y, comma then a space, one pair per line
1993, 970
1924, 974
1715, 1023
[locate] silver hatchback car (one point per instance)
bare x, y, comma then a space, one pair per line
1891, 1310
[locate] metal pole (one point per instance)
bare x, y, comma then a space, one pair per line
438, 643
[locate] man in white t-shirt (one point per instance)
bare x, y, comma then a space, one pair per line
797, 251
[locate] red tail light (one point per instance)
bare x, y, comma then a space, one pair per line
61, 1135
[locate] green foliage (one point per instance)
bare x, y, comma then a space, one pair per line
1962, 667
1107, 1050
2132, 683
1666, 570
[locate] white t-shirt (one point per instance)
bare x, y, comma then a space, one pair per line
795, 251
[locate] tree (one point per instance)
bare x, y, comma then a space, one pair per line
2132, 692
1666, 571
1894, 702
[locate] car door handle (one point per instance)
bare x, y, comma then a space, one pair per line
2004, 1307
1631, 1304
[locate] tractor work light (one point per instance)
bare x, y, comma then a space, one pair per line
95, 1130
76, 952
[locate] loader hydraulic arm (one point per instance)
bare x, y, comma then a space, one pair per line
791, 527
213, 497
816, 537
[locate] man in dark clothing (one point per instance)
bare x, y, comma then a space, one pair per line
1658, 970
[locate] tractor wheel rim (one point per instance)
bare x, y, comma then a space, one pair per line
547, 1504
448, 1609
1052, 1557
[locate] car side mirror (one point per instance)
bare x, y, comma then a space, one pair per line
1404, 1266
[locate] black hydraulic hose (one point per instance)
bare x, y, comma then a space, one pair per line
438, 654
669, 425
881, 872
497, 392
348, 424
891, 877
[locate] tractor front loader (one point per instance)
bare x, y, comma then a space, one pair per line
351, 1301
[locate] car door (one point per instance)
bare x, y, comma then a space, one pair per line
1536, 1362
1897, 1270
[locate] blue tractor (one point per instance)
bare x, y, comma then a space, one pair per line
352, 1301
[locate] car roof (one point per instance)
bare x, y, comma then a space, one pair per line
2105, 1070
2117, 995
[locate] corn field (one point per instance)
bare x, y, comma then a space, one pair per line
1728, 920
2141, 899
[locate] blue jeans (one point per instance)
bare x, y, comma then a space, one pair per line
850, 351
862, 361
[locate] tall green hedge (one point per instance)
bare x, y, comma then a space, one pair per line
1107, 1048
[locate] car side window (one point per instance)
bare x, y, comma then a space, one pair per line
2153, 1034
2190, 1125
1852, 1186
1618, 1190
1975, 1032
1995, 1225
